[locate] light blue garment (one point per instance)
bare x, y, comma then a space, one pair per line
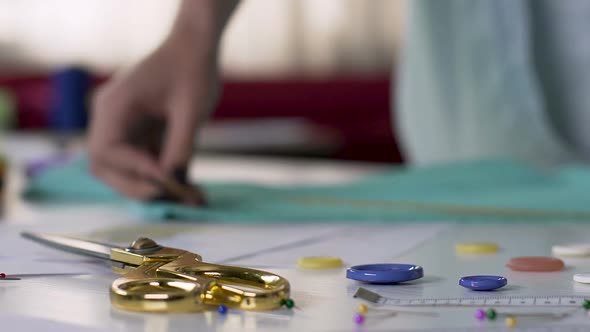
501, 78
562, 53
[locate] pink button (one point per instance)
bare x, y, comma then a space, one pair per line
535, 264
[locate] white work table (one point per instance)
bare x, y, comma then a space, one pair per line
324, 302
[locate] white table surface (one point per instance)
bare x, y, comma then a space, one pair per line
324, 298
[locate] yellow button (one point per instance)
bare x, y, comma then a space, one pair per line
476, 248
510, 321
319, 262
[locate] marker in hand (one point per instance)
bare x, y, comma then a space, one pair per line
183, 193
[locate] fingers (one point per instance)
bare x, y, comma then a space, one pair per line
130, 172
128, 160
188, 108
128, 153
184, 193
195, 197
127, 185
134, 175
178, 145
127, 169
179, 137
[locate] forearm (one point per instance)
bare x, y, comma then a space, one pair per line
200, 24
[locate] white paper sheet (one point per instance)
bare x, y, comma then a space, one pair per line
20, 256
252, 245
281, 246
353, 244
27, 323
228, 243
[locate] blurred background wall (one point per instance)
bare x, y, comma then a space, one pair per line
314, 68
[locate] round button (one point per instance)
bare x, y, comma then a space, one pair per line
385, 273
476, 248
483, 283
535, 264
572, 250
583, 278
319, 262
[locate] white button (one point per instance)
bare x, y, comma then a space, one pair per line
583, 278
574, 249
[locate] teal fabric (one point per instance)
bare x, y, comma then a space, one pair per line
481, 190
70, 182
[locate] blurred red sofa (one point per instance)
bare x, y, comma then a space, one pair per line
357, 109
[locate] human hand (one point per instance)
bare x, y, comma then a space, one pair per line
144, 121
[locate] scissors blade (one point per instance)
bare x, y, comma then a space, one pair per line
72, 245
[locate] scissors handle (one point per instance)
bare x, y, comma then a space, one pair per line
187, 284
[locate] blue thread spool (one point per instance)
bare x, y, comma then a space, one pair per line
70, 108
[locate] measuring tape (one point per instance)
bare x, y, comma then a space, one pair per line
482, 301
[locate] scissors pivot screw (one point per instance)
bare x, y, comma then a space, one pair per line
143, 245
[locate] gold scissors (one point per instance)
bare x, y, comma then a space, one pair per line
162, 279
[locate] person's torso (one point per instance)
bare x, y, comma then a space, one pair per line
499, 78
561, 45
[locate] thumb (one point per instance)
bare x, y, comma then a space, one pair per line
181, 131
180, 136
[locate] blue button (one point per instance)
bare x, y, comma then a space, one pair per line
483, 283
385, 273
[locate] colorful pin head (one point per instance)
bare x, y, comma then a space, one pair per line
289, 303
359, 319
363, 309
510, 321
222, 309
491, 314
480, 314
